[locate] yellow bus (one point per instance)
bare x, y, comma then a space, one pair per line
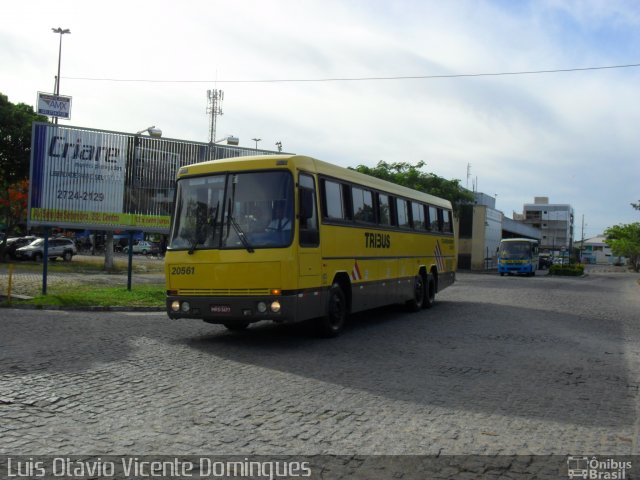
289, 238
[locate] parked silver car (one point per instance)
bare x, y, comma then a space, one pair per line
15, 243
64, 248
143, 247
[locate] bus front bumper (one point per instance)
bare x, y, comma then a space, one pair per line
514, 268
233, 310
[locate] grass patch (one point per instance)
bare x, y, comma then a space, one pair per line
87, 264
100, 296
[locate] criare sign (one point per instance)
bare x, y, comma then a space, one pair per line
82, 178
85, 178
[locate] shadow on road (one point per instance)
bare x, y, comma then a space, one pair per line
526, 364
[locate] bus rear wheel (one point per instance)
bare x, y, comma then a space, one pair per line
430, 297
333, 322
417, 302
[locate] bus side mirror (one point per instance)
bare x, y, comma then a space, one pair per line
306, 203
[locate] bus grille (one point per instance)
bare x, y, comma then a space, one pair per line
224, 292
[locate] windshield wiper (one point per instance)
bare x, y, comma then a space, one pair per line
232, 221
194, 242
241, 235
214, 223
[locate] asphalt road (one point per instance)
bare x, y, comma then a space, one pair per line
501, 365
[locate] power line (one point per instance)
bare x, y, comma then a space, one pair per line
359, 79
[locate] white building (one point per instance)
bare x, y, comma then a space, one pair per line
595, 250
554, 220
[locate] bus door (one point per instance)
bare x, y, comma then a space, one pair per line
310, 297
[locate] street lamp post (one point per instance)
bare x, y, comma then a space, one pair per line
256, 140
61, 32
46, 230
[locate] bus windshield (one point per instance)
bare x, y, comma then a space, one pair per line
233, 210
515, 250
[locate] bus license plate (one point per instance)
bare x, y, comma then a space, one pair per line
220, 309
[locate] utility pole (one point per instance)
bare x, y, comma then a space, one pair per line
582, 241
57, 86
468, 174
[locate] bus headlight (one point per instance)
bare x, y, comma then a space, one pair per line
186, 307
175, 305
275, 306
262, 307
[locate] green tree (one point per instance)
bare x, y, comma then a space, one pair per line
412, 176
624, 241
15, 154
15, 140
636, 205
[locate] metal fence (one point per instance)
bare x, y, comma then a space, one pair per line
24, 279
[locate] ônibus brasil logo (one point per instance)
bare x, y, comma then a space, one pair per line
593, 468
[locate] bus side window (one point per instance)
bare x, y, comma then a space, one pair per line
433, 219
362, 205
309, 233
384, 210
393, 211
333, 201
447, 225
417, 214
403, 213
440, 220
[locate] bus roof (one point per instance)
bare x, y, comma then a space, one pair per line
531, 240
309, 164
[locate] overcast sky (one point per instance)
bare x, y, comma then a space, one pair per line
571, 136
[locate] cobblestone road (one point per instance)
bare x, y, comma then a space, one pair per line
501, 365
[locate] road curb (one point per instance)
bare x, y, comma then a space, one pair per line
84, 309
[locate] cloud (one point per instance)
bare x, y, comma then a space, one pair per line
571, 136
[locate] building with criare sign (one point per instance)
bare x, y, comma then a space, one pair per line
83, 178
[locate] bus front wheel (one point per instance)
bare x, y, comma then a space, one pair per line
236, 327
333, 321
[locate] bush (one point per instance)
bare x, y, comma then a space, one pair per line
574, 270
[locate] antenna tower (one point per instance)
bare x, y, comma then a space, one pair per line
214, 108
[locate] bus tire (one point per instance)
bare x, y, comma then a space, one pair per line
430, 289
333, 321
419, 293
